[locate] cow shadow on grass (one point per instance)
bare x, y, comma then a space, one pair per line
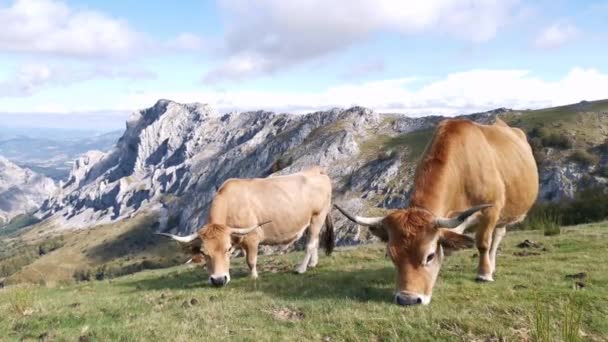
364, 285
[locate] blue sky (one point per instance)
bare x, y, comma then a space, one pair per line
104, 59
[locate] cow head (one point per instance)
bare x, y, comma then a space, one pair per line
212, 245
416, 241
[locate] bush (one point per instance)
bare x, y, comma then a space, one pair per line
588, 205
281, 163
50, 245
603, 171
557, 141
583, 157
544, 219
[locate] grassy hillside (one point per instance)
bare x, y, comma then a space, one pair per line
104, 251
347, 297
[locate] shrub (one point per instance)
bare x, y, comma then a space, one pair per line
281, 163
82, 275
588, 205
557, 141
603, 171
583, 157
50, 245
543, 218
537, 150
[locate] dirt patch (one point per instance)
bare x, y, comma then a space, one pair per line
287, 314
525, 253
529, 244
190, 303
580, 275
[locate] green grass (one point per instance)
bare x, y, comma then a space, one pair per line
348, 297
17, 223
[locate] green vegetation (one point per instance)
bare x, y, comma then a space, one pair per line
414, 143
544, 221
17, 223
101, 252
347, 297
583, 157
589, 205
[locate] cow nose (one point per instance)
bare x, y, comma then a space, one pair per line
218, 281
408, 299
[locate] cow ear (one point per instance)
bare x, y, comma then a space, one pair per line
451, 240
380, 232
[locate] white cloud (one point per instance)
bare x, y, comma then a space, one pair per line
186, 41
265, 36
49, 26
457, 93
556, 35
31, 77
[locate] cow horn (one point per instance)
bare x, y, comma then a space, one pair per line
364, 221
245, 231
462, 221
182, 239
189, 261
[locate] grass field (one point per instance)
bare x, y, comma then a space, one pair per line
348, 297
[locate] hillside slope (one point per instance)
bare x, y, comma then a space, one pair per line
347, 297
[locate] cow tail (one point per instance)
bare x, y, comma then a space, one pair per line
329, 235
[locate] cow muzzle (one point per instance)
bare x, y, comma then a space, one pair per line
408, 298
219, 280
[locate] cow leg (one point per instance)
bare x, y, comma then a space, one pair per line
312, 246
483, 239
251, 251
499, 233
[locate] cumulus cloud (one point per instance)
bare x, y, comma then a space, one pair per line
49, 26
186, 41
265, 36
456, 93
31, 77
556, 35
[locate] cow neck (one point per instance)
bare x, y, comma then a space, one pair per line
431, 187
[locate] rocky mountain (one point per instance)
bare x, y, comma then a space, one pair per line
172, 158
21, 190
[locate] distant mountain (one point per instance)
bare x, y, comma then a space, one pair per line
21, 190
172, 158
51, 152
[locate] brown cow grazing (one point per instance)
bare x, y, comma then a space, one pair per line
277, 210
487, 168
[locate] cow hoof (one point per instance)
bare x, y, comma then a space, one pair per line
299, 271
483, 279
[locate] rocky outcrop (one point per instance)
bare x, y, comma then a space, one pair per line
21, 190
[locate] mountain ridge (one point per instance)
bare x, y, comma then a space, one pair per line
172, 157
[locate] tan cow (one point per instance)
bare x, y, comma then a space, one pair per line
487, 167
276, 210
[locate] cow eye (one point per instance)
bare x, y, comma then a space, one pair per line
430, 258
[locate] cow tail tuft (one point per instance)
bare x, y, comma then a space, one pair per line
329, 235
